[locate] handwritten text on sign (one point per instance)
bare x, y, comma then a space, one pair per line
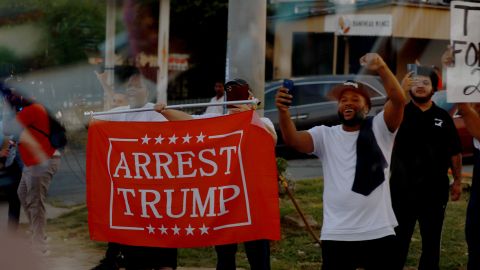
463, 79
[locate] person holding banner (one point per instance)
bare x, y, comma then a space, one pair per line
471, 116
426, 146
136, 257
258, 251
358, 219
112, 98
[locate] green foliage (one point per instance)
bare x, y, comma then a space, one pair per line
74, 29
6, 55
282, 165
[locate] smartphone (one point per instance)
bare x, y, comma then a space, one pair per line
290, 86
412, 68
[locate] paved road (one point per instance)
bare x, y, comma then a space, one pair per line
68, 186
304, 168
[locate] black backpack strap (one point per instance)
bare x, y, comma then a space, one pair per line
39, 130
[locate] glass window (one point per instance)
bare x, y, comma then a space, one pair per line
270, 100
311, 93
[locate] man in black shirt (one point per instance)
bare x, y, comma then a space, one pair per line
426, 146
471, 116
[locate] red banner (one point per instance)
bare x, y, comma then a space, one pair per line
182, 184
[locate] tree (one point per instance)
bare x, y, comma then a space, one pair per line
74, 29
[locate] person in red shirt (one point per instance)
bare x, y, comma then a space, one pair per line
40, 158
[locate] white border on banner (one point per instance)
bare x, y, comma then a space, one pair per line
224, 226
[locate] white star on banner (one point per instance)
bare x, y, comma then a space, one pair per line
163, 230
145, 139
150, 229
200, 137
159, 139
176, 230
189, 229
172, 139
204, 229
187, 138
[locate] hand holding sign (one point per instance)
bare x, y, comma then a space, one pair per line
447, 57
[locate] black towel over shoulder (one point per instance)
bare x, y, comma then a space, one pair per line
369, 171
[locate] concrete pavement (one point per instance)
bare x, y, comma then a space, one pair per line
69, 184
52, 212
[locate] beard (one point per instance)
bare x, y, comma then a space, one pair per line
356, 119
420, 100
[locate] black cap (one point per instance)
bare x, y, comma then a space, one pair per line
237, 81
237, 89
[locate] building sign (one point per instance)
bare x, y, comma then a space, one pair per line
359, 25
182, 184
463, 78
178, 61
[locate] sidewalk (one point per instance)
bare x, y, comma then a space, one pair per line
52, 212
66, 253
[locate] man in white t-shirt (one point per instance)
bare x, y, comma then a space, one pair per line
358, 220
218, 98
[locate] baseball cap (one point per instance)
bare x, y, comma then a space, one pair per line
351, 85
237, 89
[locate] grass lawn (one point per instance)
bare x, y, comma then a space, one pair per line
296, 250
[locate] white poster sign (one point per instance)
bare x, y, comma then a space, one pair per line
359, 24
463, 78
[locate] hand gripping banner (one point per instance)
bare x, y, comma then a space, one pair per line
182, 184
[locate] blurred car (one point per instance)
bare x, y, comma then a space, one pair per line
440, 98
311, 105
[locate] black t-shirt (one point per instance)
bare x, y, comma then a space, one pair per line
424, 146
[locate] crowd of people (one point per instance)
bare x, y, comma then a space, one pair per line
382, 173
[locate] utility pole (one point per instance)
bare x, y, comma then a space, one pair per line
247, 20
163, 38
109, 48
